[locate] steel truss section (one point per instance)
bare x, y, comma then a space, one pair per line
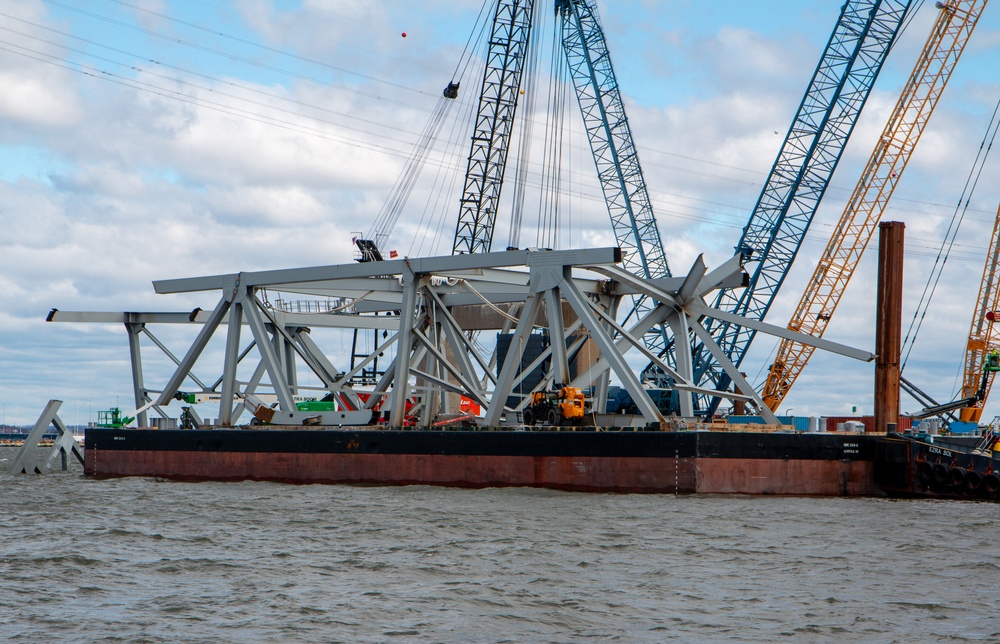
435, 355
27, 460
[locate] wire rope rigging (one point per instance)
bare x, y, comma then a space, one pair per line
948, 242
980, 362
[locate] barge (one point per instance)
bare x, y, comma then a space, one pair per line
393, 433
588, 460
681, 462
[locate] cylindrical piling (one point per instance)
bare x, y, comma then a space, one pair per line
888, 324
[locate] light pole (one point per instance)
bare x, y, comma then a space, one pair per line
788, 412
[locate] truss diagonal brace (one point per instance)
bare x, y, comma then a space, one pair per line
617, 361
187, 363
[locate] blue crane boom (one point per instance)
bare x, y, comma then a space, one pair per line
840, 86
604, 118
812, 148
614, 152
611, 139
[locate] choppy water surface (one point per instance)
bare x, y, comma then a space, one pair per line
158, 561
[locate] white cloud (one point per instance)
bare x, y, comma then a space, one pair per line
169, 181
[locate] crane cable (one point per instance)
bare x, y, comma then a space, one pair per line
526, 117
392, 208
437, 212
548, 211
401, 190
948, 242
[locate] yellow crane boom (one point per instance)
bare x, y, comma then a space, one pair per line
944, 46
981, 340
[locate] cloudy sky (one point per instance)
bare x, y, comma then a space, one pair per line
151, 139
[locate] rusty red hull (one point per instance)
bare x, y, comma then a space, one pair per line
558, 472
652, 462
794, 477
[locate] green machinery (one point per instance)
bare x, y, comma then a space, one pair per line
112, 418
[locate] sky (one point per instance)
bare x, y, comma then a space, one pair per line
152, 139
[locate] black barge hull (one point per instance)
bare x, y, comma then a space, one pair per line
590, 460
917, 469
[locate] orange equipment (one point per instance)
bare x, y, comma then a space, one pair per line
980, 351
566, 406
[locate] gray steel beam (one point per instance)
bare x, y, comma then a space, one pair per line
617, 361
700, 308
167, 352
636, 343
229, 365
738, 380
557, 334
511, 366
678, 321
187, 363
312, 354
269, 357
64, 445
602, 364
198, 316
458, 338
26, 459
135, 358
469, 383
418, 265
407, 321
374, 354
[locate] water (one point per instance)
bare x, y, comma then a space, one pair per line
157, 561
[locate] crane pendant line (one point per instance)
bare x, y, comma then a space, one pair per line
982, 340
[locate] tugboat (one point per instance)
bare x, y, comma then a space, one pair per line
924, 466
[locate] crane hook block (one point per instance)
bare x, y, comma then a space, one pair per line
451, 91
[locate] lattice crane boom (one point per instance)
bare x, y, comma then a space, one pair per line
950, 33
508, 48
981, 338
607, 129
610, 139
604, 119
837, 92
614, 152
